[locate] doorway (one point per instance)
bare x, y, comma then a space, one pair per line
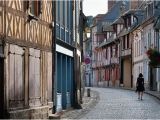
1, 88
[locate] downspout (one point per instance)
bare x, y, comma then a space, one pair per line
75, 56
54, 86
121, 64
131, 61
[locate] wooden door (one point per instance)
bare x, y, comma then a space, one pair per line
1, 88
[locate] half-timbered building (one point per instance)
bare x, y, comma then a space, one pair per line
25, 58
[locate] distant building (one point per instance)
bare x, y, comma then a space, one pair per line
104, 50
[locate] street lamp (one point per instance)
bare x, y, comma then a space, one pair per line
88, 35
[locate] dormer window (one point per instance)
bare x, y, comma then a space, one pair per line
149, 10
129, 21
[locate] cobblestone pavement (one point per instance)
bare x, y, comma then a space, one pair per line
123, 104
88, 104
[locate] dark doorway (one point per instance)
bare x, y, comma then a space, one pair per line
153, 83
1, 88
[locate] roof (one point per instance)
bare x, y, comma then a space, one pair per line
108, 28
110, 40
118, 21
126, 31
111, 15
115, 11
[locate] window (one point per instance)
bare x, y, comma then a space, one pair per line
125, 23
150, 9
149, 38
134, 49
127, 37
25, 5
35, 8
118, 29
124, 42
156, 42
106, 53
116, 52
129, 21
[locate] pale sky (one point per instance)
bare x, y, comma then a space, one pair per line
94, 7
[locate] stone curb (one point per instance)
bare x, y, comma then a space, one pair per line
158, 97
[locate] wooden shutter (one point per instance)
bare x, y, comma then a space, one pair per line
16, 76
34, 78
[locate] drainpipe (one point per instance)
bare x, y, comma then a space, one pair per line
54, 86
121, 61
131, 61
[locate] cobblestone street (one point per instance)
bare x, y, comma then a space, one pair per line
123, 104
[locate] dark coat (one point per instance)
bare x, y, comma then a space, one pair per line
140, 84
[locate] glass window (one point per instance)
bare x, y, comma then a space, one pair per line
35, 8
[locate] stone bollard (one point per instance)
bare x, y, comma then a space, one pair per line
88, 92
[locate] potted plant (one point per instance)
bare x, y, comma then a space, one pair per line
154, 56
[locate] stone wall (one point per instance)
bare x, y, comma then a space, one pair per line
32, 113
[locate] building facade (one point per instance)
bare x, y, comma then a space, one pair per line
26, 59
68, 55
106, 49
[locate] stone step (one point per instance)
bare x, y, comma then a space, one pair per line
54, 116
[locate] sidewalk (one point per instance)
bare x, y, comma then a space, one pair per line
88, 103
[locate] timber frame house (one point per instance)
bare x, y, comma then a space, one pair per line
25, 53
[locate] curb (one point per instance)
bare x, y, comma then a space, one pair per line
152, 95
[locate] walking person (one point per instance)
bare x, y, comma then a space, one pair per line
140, 86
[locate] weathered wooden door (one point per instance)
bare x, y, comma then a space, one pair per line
1, 88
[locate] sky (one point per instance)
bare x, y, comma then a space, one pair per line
94, 7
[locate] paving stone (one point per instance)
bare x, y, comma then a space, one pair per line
123, 104
88, 104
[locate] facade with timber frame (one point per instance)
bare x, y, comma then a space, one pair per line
25, 59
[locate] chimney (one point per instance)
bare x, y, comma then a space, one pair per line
135, 4
111, 3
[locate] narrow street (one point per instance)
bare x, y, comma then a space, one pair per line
123, 104
53, 51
